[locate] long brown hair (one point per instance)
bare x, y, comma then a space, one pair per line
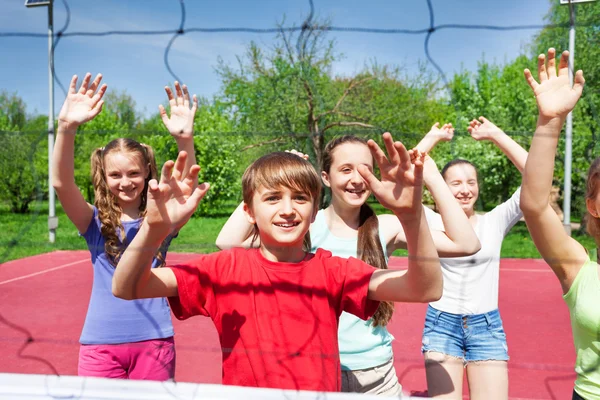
369, 248
282, 169
592, 186
109, 210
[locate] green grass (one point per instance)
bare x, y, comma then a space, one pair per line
23, 235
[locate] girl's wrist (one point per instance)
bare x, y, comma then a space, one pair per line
67, 126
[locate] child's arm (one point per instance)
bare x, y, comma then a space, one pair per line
400, 190
486, 130
458, 238
555, 99
79, 107
181, 123
434, 136
170, 203
237, 231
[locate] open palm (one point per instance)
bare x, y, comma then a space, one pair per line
554, 94
84, 104
173, 200
401, 185
181, 122
483, 129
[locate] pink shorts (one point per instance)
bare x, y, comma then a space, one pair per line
150, 360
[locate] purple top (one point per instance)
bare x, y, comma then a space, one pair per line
111, 320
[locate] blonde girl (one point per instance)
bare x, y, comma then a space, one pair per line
127, 340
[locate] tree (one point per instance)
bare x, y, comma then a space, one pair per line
288, 94
24, 177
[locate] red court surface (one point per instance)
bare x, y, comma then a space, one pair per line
45, 297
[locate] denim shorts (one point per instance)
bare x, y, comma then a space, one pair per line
471, 338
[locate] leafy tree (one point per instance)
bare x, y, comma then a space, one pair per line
23, 179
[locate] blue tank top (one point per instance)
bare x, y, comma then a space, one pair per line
111, 320
361, 345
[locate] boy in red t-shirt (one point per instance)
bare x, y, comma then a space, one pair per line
276, 308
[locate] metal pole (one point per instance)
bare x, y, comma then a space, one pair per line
569, 137
52, 220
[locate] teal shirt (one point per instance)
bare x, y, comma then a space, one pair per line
361, 345
583, 299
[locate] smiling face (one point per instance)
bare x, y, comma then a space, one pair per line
348, 188
462, 181
282, 216
125, 176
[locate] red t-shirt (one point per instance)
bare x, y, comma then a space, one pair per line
277, 322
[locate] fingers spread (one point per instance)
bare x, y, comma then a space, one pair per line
186, 96
165, 174
542, 74
179, 93
73, 84
378, 154
180, 166
403, 155
552, 62
84, 84
389, 147
530, 79
563, 66
372, 182
95, 84
172, 101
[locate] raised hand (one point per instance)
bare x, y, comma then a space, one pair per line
181, 122
483, 129
84, 104
554, 94
172, 202
445, 133
401, 185
299, 154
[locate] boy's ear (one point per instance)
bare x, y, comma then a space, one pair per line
249, 214
591, 207
325, 179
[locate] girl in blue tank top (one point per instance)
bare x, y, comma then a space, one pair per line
348, 227
120, 339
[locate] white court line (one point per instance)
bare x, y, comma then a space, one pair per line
44, 271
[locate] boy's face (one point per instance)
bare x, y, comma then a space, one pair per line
283, 215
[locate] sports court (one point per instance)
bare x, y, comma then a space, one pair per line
44, 300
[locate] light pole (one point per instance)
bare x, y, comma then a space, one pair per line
52, 219
569, 128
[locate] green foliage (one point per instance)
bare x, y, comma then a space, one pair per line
24, 176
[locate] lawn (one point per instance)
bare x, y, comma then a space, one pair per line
23, 235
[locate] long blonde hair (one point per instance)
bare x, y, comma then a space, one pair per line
109, 210
282, 169
369, 248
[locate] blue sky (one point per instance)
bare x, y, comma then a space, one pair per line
135, 63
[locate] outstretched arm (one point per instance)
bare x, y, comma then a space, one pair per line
486, 130
400, 190
555, 98
181, 122
79, 107
171, 203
